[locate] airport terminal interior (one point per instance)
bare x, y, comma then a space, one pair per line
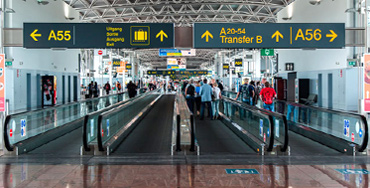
184, 93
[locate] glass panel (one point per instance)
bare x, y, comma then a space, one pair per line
115, 120
278, 121
252, 121
346, 126
28, 124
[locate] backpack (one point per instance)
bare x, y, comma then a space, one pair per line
268, 98
191, 90
245, 92
106, 87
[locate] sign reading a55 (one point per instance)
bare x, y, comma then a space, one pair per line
60, 35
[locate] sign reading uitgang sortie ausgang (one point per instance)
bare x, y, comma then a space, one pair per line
87, 35
269, 35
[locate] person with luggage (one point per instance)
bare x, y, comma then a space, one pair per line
189, 95
247, 92
267, 95
107, 88
206, 98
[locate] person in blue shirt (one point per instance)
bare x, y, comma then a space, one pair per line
206, 96
198, 99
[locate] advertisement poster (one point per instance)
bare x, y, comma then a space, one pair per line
367, 83
176, 63
49, 92
2, 82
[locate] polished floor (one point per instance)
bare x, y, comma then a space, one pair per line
66, 176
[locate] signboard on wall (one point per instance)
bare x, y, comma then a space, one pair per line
2, 82
176, 63
116, 62
238, 62
367, 83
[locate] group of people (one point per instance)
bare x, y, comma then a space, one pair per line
251, 91
204, 95
107, 87
207, 95
93, 89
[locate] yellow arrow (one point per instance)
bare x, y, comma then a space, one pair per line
277, 34
207, 34
333, 35
34, 35
161, 34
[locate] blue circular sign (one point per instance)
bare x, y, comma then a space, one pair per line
360, 133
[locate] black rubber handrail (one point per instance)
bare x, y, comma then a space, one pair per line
192, 133
7, 144
178, 135
263, 113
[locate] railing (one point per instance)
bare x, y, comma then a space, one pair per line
22, 126
91, 123
119, 122
250, 122
349, 127
279, 122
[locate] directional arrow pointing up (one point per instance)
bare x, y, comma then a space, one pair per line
34, 35
333, 35
207, 34
277, 34
161, 34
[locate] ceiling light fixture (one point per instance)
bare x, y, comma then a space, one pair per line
41, 2
69, 18
315, 2
8, 10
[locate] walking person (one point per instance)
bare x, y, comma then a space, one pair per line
95, 90
198, 98
190, 95
216, 92
131, 88
267, 95
247, 92
107, 88
206, 97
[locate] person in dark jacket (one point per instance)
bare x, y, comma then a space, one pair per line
107, 88
131, 88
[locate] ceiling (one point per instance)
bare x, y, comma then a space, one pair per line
182, 13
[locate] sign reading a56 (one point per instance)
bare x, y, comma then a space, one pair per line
60, 35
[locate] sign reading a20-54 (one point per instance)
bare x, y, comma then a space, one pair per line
87, 35
269, 35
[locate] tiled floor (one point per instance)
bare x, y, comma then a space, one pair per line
66, 176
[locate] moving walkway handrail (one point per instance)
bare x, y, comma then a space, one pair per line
10, 147
262, 113
67, 104
339, 112
113, 110
274, 114
86, 121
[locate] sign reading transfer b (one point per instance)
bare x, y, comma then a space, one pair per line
87, 35
269, 35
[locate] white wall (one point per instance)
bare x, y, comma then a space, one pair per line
311, 63
302, 11
37, 61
